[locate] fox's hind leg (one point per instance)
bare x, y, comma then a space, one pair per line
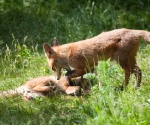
136, 71
130, 67
126, 67
127, 78
40, 88
138, 75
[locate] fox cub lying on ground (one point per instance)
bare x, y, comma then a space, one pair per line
45, 86
120, 45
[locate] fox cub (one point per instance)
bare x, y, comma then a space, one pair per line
44, 86
120, 45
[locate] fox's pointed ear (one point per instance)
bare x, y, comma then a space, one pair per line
55, 42
47, 49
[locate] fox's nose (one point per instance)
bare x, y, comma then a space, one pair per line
58, 76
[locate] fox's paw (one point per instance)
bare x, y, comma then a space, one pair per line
74, 90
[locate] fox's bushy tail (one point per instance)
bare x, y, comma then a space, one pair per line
145, 35
11, 93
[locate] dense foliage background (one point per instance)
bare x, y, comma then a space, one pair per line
26, 24
68, 20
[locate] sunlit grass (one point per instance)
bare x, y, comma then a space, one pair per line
23, 30
106, 104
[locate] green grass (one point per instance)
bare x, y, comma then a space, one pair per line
24, 27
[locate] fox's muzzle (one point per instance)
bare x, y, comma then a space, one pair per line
58, 77
58, 74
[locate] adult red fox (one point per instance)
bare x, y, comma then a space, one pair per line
120, 45
44, 85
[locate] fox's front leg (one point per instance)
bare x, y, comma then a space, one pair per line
74, 73
68, 79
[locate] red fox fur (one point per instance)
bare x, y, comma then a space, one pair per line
120, 45
44, 85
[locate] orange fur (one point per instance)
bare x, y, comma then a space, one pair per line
120, 45
44, 85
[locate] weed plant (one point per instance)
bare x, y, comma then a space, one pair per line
26, 25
